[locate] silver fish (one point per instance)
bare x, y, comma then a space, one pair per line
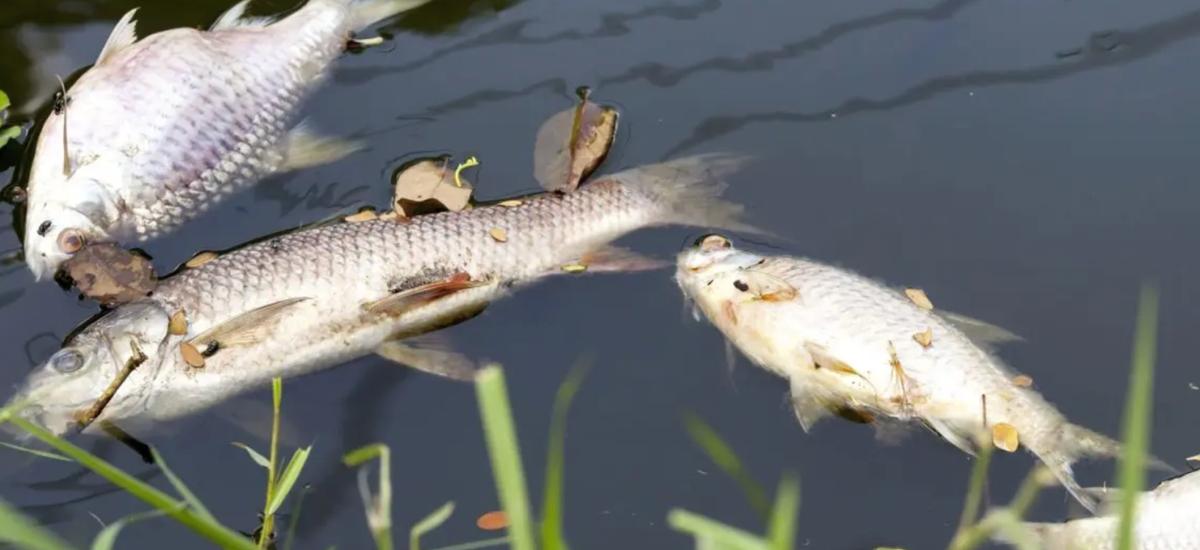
160, 129
851, 346
317, 297
1165, 520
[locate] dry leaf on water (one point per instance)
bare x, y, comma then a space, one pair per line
1004, 437
1022, 381
924, 338
498, 234
200, 259
919, 298
572, 144
492, 521
109, 274
430, 185
364, 215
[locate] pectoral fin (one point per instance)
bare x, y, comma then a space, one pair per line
438, 362
808, 408
409, 299
245, 329
980, 332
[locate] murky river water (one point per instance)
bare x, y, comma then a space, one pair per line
1026, 162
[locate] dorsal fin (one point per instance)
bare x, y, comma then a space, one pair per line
235, 18
124, 34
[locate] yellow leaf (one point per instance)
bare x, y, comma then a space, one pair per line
201, 259
574, 268
924, 338
918, 297
364, 216
1004, 437
1022, 381
179, 324
511, 203
498, 234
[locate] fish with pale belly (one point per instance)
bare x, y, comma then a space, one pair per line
316, 297
853, 347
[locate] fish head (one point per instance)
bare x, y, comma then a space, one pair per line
709, 259
59, 224
71, 381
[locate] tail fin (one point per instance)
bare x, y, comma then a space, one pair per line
1077, 443
364, 13
688, 190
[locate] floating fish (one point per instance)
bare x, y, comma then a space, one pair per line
320, 296
846, 344
162, 128
1165, 520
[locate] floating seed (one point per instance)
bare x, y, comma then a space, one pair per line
918, 297
1004, 437
201, 259
191, 355
574, 268
179, 324
511, 203
499, 235
1022, 381
492, 521
924, 338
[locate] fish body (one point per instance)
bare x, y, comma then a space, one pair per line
160, 129
1165, 520
317, 297
853, 347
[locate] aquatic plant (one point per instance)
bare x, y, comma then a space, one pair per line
7, 133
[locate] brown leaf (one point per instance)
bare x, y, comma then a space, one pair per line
573, 143
1022, 381
191, 355
492, 521
925, 338
1004, 437
200, 259
429, 185
364, 215
179, 323
918, 297
110, 274
498, 234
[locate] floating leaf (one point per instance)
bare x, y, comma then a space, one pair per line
498, 234
429, 185
1004, 437
511, 203
574, 268
364, 215
492, 521
1022, 381
919, 298
571, 144
178, 324
925, 338
191, 355
110, 274
201, 258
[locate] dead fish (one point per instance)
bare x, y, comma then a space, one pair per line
160, 129
1165, 520
320, 296
845, 342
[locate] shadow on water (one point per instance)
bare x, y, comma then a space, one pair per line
1104, 49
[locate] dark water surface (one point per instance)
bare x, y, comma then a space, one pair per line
1026, 162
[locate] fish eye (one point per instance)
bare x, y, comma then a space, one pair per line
66, 361
712, 242
70, 241
44, 228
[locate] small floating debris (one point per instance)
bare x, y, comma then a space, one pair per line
1194, 460
925, 338
191, 355
201, 258
919, 298
178, 325
492, 521
1004, 437
109, 274
364, 215
499, 235
574, 268
511, 203
1022, 381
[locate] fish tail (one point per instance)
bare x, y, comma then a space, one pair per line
687, 190
364, 13
1076, 443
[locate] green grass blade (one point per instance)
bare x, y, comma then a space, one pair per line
429, 523
181, 488
974, 500
206, 528
501, 438
257, 457
35, 452
268, 520
378, 508
288, 478
1131, 476
486, 543
723, 456
552, 496
4, 101
714, 533
781, 530
22, 532
107, 538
